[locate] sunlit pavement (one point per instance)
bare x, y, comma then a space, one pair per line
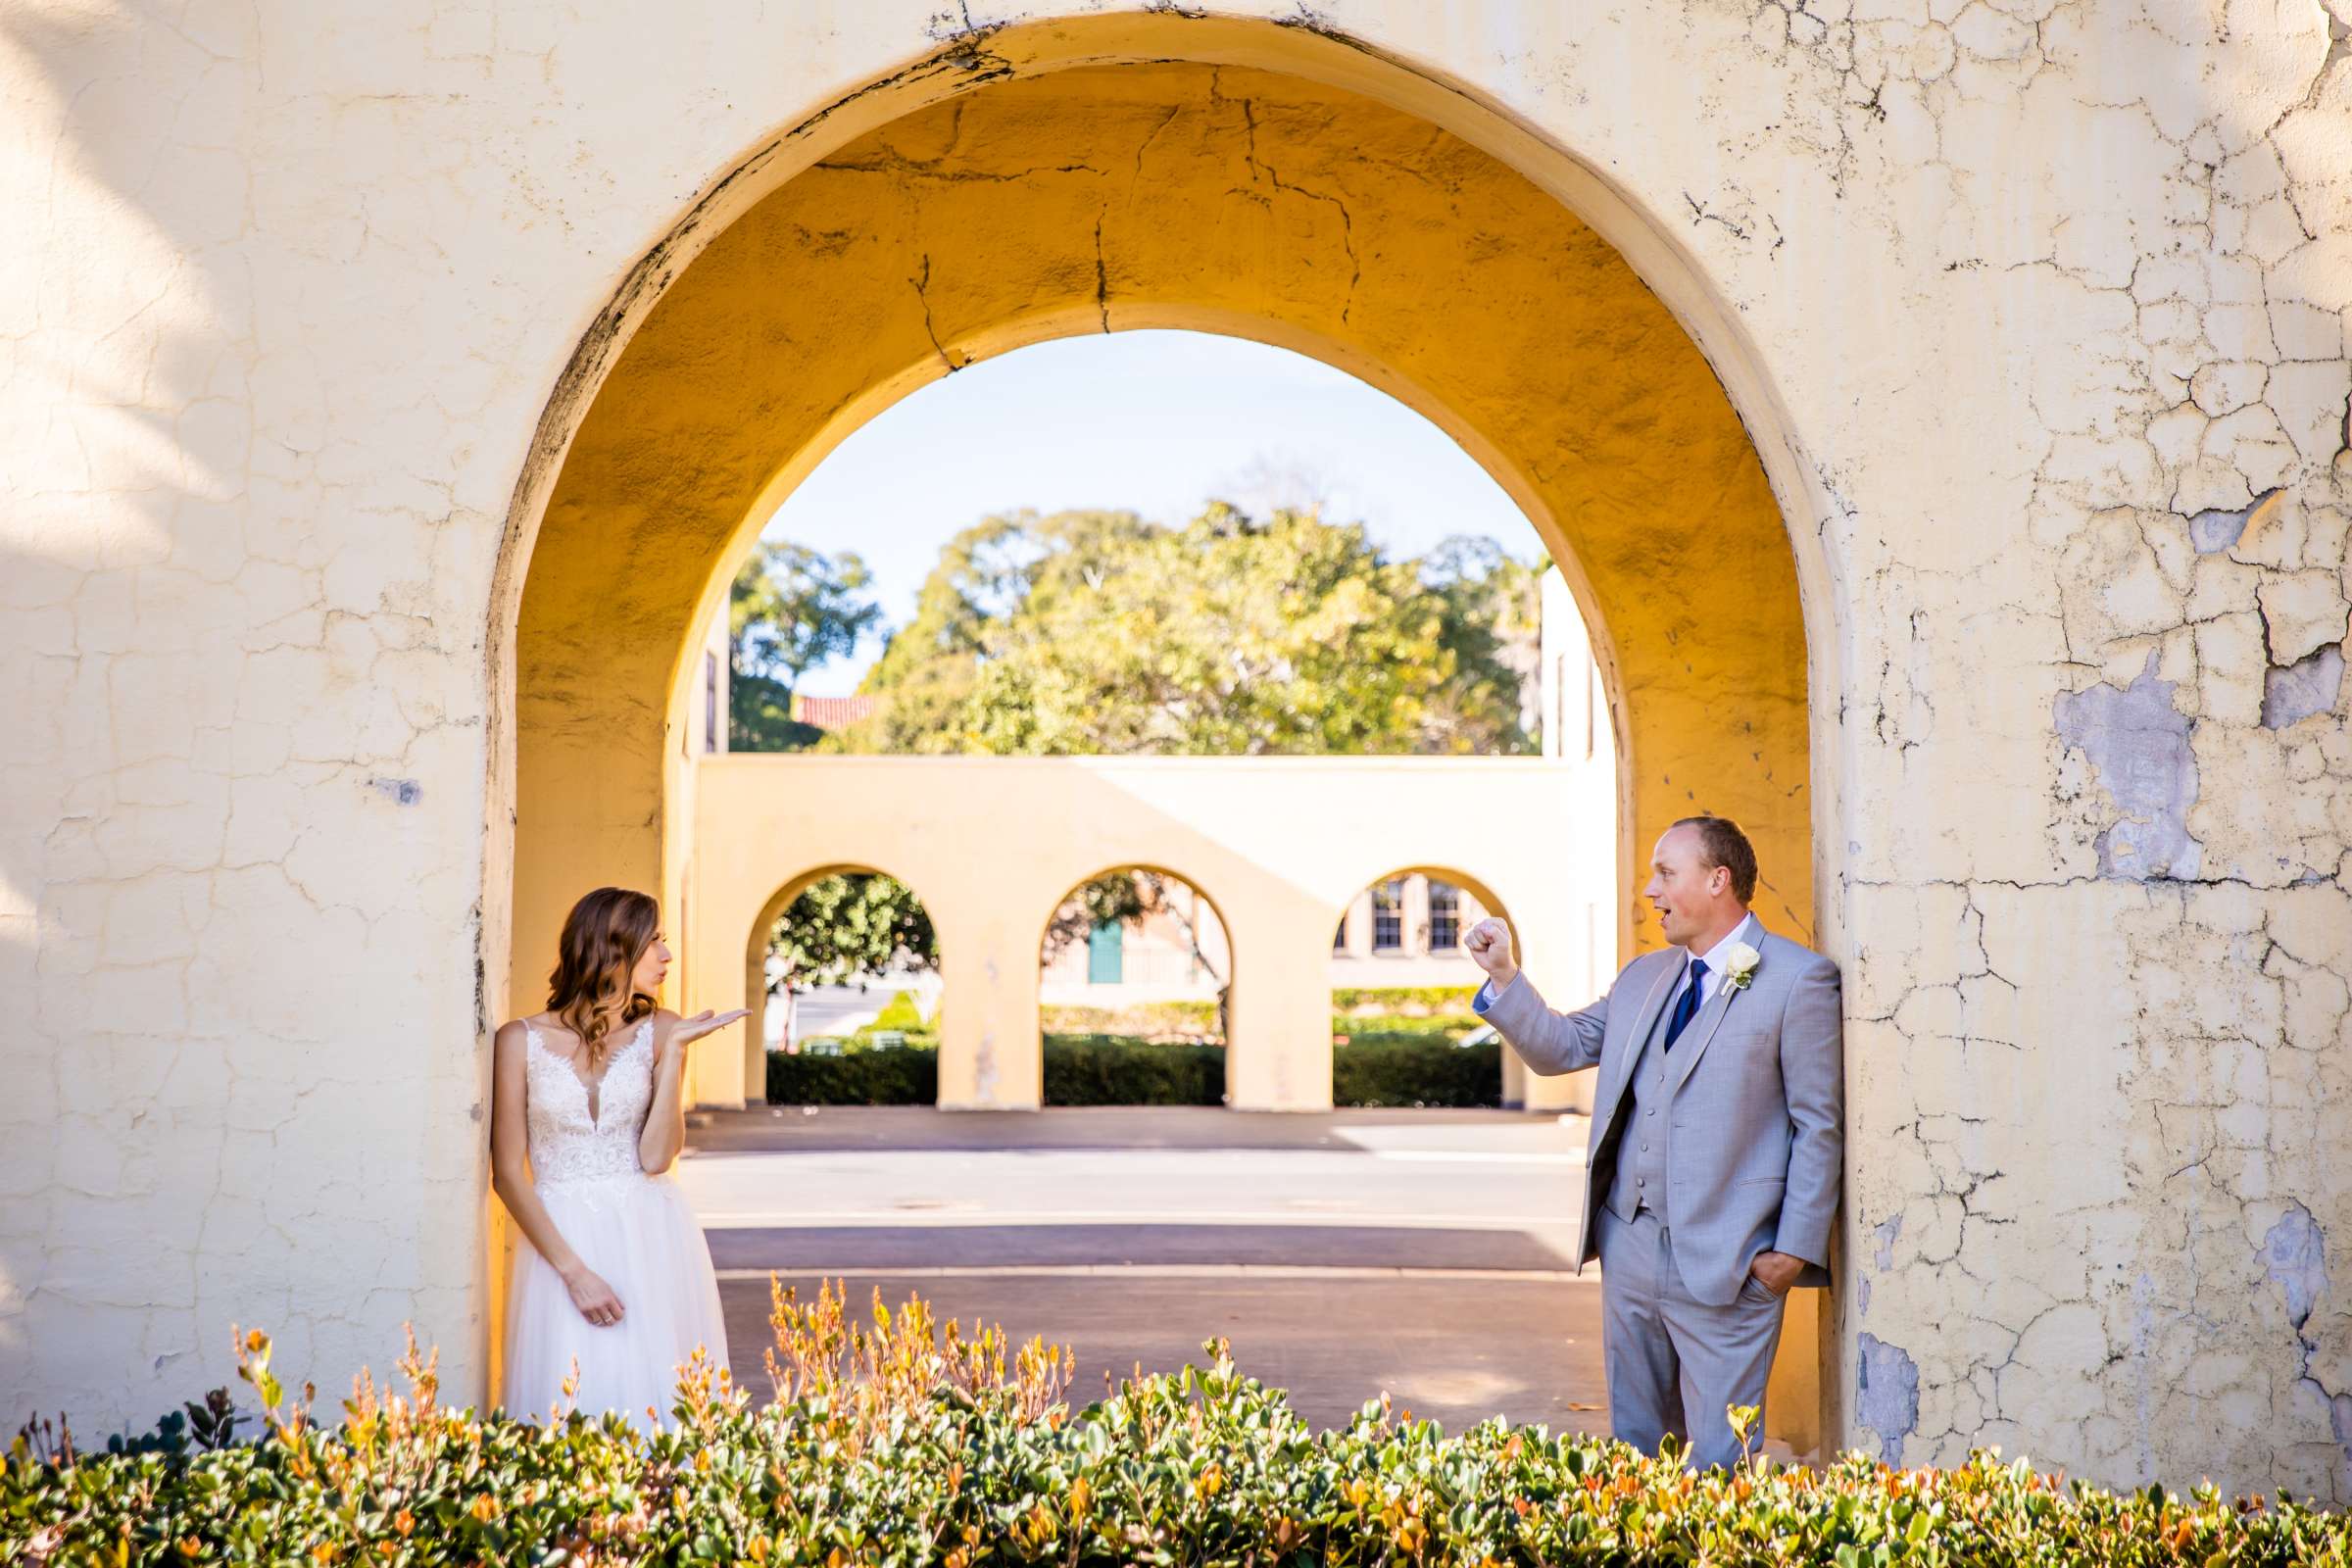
1425, 1253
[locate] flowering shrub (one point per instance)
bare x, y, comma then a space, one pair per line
901, 1444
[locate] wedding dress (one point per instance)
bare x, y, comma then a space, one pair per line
634, 1231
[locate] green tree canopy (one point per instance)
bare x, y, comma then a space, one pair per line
791, 610
850, 924
1098, 632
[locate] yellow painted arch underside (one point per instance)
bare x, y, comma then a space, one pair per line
1225, 199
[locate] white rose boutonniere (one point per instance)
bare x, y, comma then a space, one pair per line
1740, 965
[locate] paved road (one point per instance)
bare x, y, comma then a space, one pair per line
1426, 1253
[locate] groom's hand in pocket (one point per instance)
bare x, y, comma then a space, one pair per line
1488, 944
1777, 1272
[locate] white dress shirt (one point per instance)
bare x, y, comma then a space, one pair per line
1712, 981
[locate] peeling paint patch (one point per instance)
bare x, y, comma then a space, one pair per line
1886, 1389
2217, 528
2293, 693
399, 791
2138, 742
2295, 1255
1886, 1231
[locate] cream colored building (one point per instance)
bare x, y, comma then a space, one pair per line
1408, 930
1279, 847
1175, 952
1939, 410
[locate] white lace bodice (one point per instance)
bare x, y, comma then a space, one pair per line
571, 1144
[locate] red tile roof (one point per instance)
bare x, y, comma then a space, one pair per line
832, 712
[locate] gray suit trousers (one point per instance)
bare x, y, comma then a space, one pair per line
1675, 1364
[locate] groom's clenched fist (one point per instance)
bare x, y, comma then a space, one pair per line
1489, 945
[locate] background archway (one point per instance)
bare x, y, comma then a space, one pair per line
1149, 984
1401, 985
757, 948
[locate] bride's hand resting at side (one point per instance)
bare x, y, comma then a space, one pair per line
594, 1297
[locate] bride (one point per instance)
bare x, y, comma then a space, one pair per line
612, 1275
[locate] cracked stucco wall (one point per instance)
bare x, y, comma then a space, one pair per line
2099, 1018
2050, 297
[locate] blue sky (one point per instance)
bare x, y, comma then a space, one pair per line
1156, 422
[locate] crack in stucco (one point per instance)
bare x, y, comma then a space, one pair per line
1259, 168
2294, 1254
922, 292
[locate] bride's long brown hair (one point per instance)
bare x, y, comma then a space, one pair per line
606, 932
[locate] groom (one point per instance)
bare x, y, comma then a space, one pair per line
1717, 1130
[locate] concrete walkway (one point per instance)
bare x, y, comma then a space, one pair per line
1427, 1254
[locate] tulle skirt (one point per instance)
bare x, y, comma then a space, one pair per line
639, 1235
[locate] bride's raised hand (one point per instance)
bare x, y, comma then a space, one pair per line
688, 1030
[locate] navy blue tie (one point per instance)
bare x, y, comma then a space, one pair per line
1685, 1006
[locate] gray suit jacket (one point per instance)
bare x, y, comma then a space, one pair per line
1758, 1115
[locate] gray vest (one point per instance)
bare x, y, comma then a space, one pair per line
1640, 1181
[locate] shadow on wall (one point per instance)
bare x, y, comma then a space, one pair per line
204, 639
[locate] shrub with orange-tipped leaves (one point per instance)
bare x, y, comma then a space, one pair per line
903, 1441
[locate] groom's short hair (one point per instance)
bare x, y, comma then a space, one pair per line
1722, 844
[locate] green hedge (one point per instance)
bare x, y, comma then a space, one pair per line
1402, 999
1413, 1067
1121, 1070
954, 1468
1403, 1023
904, 1075
1079, 1070
1188, 1022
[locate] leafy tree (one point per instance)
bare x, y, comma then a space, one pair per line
844, 927
1098, 632
850, 925
792, 608
1494, 629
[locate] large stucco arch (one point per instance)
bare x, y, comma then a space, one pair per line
1253, 181
636, 504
